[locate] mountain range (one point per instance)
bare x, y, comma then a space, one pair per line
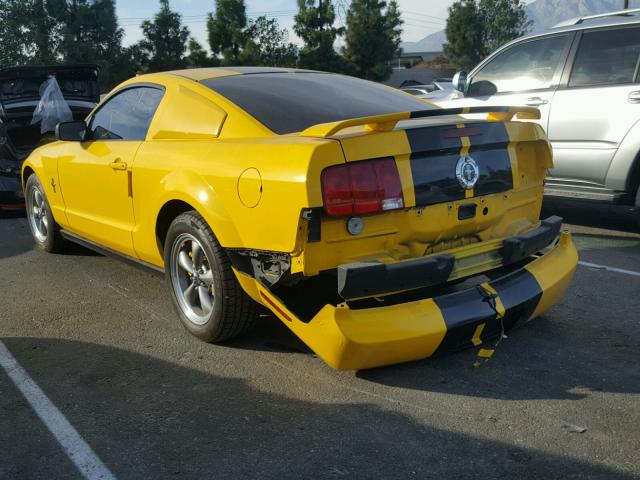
543, 14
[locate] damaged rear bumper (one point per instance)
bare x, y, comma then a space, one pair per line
351, 339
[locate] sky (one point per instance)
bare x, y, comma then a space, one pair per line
421, 17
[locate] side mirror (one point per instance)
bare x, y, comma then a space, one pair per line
460, 82
71, 131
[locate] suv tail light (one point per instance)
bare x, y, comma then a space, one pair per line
362, 187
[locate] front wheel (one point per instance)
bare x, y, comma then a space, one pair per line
41, 222
205, 293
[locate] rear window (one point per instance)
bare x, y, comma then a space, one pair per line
287, 103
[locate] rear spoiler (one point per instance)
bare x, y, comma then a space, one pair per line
387, 122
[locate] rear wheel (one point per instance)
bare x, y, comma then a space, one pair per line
208, 298
41, 222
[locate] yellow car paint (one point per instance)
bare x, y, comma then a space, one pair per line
252, 187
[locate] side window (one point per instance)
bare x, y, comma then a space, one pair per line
528, 66
606, 58
127, 115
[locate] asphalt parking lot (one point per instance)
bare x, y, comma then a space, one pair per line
100, 339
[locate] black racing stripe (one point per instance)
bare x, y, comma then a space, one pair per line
432, 140
490, 150
434, 178
435, 153
495, 170
433, 163
437, 112
520, 294
489, 133
463, 311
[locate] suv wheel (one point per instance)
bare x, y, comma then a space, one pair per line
205, 293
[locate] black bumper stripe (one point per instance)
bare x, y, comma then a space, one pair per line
520, 294
464, 311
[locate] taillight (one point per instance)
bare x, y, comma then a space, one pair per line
362, 187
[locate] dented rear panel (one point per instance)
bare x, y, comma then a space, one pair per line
439, 213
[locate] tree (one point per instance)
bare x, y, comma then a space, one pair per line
504, 20
464, 45
198, 56
372, 38
13, 49
43, 32
91, 34
268, 44
314, 25
133, 60
475, 28
226, 28
165, 39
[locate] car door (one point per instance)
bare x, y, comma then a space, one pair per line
596, 104
525, 73
95, 176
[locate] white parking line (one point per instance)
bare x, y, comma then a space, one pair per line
609, 269
78, 451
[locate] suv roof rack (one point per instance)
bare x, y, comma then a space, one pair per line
630, 12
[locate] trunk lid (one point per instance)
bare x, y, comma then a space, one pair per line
20, 86
19, 96
77, 82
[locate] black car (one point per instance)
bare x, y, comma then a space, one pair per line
19, 96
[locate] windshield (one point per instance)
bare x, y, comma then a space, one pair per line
287, 103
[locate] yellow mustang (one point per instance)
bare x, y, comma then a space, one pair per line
378, 228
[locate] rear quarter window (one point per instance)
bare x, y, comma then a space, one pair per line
291, 102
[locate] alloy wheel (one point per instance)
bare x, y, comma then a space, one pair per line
192, 279
37, 213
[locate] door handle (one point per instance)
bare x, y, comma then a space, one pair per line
118, 164
536, 101
634, 97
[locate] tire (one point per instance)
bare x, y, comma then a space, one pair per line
205, 292
44, 229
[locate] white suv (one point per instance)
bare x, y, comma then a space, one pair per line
583, 76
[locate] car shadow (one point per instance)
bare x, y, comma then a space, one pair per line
525, 365
593, 214
15, 238
270, 335
148, 418
586, 343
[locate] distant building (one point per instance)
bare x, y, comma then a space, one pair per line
410, 59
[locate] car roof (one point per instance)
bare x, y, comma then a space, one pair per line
611, 19
201, 74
